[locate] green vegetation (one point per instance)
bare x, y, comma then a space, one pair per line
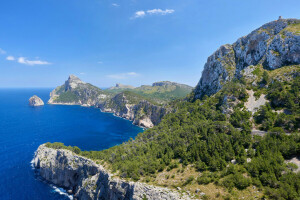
157, 94
201, 137
67, 97
294, 28
284, 97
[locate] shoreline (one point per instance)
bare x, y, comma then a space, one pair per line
91, 106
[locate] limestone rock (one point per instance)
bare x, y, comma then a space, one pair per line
273, 45
128, 106
87, 180
35, 101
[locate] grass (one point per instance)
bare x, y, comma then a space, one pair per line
294, 28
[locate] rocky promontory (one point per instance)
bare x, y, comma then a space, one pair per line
273, 45
35, 101
87, 180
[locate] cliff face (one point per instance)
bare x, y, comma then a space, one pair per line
274, 45
86, 180
77, 92
130, 106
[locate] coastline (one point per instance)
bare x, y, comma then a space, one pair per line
92, 106
82, 178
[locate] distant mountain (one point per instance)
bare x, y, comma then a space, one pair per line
160, 92
120, 86
76, 92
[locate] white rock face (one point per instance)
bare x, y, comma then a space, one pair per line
143, 114
86, 180
252, 104
35, 101
270, 45
72, 82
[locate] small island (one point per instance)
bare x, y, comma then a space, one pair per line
35, 101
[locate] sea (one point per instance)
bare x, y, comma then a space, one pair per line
24, 128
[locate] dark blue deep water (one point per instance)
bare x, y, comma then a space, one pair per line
24, 128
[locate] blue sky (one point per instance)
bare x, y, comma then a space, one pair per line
128, 41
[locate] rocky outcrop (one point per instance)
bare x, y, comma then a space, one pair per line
35, 101
274, 45
128, 105
87, 180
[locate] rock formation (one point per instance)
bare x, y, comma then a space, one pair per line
35, 101
129, 106
135, 105
87, 180
274, 45
77, 92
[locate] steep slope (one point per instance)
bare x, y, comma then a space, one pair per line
274, 45
141, 111
76, 92
145, 106
87, 180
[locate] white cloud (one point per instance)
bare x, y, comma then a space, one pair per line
23, 60
82, 73
115, 4
100, 62
2, 51
160, 11
156, 11
123, 75
139, 14
10, 58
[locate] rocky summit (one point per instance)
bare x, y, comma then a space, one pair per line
35, 101
273, 45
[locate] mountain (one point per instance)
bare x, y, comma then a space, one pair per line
272, 46
119, 88
236, 136
160, 92
145, 106
76, 92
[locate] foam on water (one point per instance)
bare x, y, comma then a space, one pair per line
61, 191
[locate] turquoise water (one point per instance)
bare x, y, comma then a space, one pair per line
24, 128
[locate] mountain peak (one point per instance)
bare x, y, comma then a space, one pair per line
73, 81
273, 45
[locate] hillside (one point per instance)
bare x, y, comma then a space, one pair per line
76, 92
145, 106
208, 147
159, 92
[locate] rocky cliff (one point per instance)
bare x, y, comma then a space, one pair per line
87, 180
143, 105
133, 107
35, 101
76, 92
273, 45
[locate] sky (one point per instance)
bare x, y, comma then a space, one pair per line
135, 42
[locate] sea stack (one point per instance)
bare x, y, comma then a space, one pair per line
35, 101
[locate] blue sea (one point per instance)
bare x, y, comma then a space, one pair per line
24, 128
